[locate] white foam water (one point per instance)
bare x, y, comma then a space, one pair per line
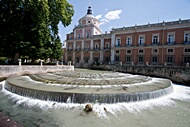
179, 93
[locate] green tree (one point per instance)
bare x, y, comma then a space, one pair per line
30, 27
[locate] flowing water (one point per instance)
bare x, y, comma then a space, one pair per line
172, 110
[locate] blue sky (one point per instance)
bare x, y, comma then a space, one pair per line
119, 13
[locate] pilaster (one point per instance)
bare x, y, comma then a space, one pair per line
112, 56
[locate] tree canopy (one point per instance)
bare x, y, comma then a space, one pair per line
30, 27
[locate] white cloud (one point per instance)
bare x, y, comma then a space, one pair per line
98, 16
112, 15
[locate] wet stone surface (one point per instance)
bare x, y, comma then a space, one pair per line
6, 121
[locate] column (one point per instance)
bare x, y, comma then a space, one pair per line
112, 56
67, 45
102, 44
83, 34
113, 40
82, 57
74, 45
74, 34
91, 44
101, 57
91, 56
82, 48
65, 56
73, 56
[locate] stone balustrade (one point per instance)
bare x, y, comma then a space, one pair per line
6, 70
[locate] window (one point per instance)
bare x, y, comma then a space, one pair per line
118, 42
170, 50
96, 46
141, 40
141, 51
79, 35
186, 59
187, 37
107, 59
78, 47
128, 59
86, 47
171, 38
170, 59
107, 46
155, 39
87, 34
187, 50
77, 59
129, 41
88, 21
141, 59
70, 48
70, 37
128, 51
117, 58
69, 58
117, 51
154, 50
154, 59
86, 59
96, 59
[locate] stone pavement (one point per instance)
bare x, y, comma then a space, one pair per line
6, 121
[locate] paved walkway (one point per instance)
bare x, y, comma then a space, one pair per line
6, 121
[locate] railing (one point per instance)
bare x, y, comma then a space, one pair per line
186, 42
107, 48
155, 43
96, 48
171, 43
117, 45
128, 45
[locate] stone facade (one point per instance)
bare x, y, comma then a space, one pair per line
166, 43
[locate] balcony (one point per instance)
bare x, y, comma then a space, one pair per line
187, 42
78, 49
117, 45
171, 42
107, 48
69, 49
141, 44
96, 49
86, 49
155, 43
128, 45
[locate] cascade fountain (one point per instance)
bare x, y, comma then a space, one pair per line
88, 87
58, 99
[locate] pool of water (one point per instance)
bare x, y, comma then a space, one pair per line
172, 110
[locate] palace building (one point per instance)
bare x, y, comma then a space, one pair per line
166, 43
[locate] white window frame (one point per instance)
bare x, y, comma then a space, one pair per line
168, 52
171, 37
141, 52
87, 34
128, 50
129, 40
155, 35
153, 51
116, 42
188, 36
96, 46
141, 40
